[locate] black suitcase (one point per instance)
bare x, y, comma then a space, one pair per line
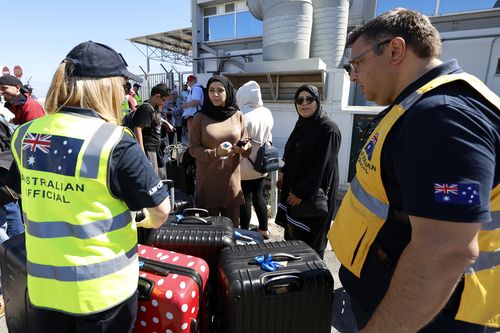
196, 234
14, 284
295, 298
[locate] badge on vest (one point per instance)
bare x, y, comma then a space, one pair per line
371, 146
458, 194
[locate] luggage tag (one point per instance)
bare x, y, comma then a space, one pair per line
270, 262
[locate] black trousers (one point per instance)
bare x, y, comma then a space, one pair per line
253, 190
315, 237
120, 318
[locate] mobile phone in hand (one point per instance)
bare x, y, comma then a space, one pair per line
243, 142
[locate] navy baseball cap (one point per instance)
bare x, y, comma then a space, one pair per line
98, 60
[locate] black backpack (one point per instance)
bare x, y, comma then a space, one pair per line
6, 157
127, 120
267, 158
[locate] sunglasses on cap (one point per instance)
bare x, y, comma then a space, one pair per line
308, 99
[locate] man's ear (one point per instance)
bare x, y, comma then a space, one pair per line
398, 50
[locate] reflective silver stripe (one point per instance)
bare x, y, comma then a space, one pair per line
373, 204
297, 223
91, 156
293, 221
83, 273
64, 229
410, 100
486, 260
18, 142
495, 221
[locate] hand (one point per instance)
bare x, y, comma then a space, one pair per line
169, 126
279, 182
146, 221
240, 149
224, 149
292, 200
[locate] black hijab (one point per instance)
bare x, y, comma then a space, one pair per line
319, 111
220, 113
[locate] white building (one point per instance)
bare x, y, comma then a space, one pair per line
283, 44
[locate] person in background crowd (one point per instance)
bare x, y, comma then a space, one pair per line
311, 169
218, 182
11, 223
147, 122
194, 100
174, 108
81, 243
418, 231
259, 123
23, 107
137, 97
27, 90
128, 104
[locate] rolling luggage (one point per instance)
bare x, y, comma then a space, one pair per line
196, 234
14, 284
296, 297
172, 293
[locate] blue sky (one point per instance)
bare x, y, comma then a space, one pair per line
37, 34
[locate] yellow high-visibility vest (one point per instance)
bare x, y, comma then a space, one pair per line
365, 208
81, 242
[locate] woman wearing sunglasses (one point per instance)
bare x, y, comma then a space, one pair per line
216, 141
310, 173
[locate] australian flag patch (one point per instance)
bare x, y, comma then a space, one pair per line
371, 146
458, 194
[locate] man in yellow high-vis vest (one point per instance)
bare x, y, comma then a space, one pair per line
79, 175
418, 232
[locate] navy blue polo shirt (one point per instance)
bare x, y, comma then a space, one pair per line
440, 161
132, 177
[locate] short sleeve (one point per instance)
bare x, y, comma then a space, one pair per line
445, 162
133, 178
197, 94
142, 117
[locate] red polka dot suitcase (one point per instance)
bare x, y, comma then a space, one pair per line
172, 295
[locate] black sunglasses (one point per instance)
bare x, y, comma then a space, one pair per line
301, 100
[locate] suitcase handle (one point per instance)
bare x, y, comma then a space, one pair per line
280, 256
168, 182
193, 220
196, 212
283, 284
145, 288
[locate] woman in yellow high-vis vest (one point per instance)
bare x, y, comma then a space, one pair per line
418, 232
79, 175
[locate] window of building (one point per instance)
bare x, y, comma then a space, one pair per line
433, 7
208, 11
229, 21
